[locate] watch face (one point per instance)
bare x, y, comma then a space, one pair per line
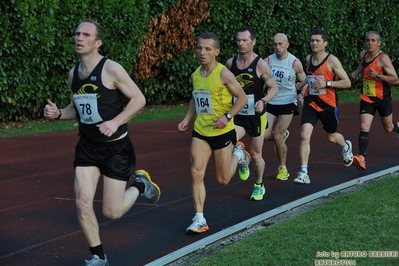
328, 83
228, 116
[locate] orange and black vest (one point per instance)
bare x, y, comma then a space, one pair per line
373, 88
321, 102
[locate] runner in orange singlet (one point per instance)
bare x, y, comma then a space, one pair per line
378, 75
324, 74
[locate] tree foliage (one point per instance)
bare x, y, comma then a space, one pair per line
155, 40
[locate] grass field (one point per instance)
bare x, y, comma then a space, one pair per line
350, 229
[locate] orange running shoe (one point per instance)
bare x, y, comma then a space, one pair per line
359, 161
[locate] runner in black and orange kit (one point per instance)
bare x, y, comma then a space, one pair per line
324, 74
378, 75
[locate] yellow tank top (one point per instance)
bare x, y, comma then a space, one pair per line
212, 99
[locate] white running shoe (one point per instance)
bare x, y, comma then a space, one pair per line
198, 226
96, 261
348, 155
303, 178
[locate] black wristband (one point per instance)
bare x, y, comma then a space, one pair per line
59, 114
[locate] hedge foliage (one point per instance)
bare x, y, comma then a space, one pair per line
37, 47
155, 40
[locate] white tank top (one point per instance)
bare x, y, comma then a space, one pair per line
284, 74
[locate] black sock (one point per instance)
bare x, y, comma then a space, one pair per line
363, 142
140, 186
98, 250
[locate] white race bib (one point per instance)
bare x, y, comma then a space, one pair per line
203, 102
249, 108
86, 104
312, 90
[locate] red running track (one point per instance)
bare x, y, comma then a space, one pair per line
38, 220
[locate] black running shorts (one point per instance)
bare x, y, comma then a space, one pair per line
384, 107
218, 142
114, 159
284, 109
254, 125
328, 118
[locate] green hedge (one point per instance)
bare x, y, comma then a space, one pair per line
37, 49
37, 41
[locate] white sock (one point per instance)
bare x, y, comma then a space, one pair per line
346, 148
239, 154
199, 215
304, 168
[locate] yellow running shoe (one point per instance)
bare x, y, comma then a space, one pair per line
282, 173
243, 161
259, 191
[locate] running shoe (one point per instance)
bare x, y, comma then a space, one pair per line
151, 192
259, 191
360, 162
244, 159
348, 155
282, 173
302, 178
285, 137
96, 261
198, 226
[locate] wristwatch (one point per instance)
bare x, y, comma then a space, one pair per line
328, 83
379, 76
228, 116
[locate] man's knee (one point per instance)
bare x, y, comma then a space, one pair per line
84, 206
112, 213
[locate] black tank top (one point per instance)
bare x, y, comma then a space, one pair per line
249, 80
110, 103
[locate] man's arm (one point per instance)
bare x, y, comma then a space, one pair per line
359, 67
229, 63
51, 111
344, 81
301, 86
183, 125
299, 72
228, 79
390, 75
116, 74
266, 75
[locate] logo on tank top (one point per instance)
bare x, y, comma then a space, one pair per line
93, 78
245, 80
88, 88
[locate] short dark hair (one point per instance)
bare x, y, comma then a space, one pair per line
250, 29
376, 33
320, 32
99, 29
211, 35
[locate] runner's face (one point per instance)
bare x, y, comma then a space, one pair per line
317, 43
280, 46
372, 43
206, 51
85, 38
244, 42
